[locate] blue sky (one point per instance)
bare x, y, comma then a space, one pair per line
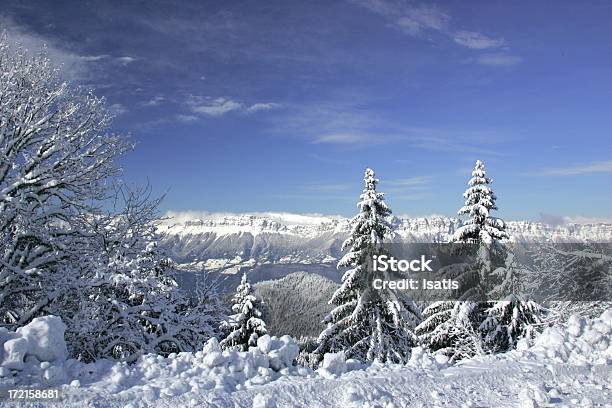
281, 105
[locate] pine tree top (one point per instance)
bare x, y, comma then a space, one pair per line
479, 202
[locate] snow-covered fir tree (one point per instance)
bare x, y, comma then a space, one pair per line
479, 202
472, 326
368, 324
245, 326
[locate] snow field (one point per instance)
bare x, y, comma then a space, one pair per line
565, 366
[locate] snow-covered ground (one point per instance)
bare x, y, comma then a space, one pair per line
565, 366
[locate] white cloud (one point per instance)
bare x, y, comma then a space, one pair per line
411, 19
117, 109
93, 58
499, 60
216, 107
220, 106
416, 20
155, 101
475, 40
74, 66
186, 118
587, 220
557, 220
126, 60
262, 106
594, 167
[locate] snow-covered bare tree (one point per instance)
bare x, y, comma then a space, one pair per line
368, 324
127, 285
574, 278
479, 202
245, 326
55, 156
61, 252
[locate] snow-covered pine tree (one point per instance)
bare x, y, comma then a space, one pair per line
368, 324
450, 327
509, 317
434, 330
245, 326
479, 202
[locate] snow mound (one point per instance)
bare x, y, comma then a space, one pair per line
334, 365
40, 341
36, 355
421, 358
581, 341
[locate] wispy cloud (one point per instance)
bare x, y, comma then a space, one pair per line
117, 109
410, 18
594, 167
418, 19
262, 106
220, 106
93, 58
349, 138
557, 220
155, 101
499, 60
348, 121
475, 40
409, 182
213, 107
125, 60
74, 66
338, 120
186, 118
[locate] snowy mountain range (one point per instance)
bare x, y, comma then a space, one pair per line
227, 243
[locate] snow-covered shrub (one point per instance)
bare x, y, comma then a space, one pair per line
307, 357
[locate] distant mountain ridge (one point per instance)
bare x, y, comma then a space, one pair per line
227, 242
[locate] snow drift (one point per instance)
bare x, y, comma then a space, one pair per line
36, 355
